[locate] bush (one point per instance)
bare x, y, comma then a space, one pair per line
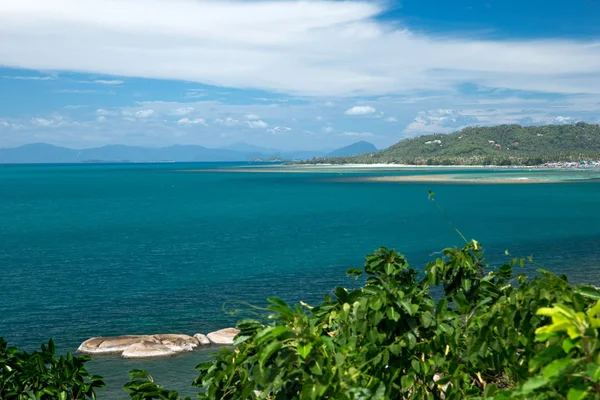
42, 376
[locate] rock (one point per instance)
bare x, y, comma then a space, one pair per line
177, 343
202, 339
223, 336
111, 345
147, 349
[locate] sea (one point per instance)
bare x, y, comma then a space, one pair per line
110, 249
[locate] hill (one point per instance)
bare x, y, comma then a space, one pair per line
354, 149
497, 145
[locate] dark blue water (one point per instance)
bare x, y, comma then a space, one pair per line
90, 250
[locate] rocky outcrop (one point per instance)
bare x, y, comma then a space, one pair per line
160, 345
223, 336
202, 339
111, 345
147, 349
177, 343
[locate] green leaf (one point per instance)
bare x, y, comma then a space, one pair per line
392, 314
534, 383
576, 394
555, 367
304, 350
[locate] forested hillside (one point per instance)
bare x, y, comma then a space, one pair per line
497, 145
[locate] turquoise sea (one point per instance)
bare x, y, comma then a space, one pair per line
89, 250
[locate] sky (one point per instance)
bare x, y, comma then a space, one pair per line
290, 74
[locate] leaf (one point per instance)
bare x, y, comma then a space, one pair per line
139, 374
304, 350
555, 367
576, 394
534, 383
392, 314
588, 291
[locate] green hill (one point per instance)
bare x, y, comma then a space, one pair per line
497, 145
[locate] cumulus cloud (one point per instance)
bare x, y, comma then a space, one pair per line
279, 129
189, 122
227, 121
361, 110
144, 113
391, 119
252, 116
440, 121
257, 124
327, 48
562, 120
328, 129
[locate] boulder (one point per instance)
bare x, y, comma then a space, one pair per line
202, 339
147, 349
176, 342
111, 345
223, 336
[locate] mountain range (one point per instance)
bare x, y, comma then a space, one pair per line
47, 153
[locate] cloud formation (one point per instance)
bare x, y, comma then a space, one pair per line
324, 48
361, 110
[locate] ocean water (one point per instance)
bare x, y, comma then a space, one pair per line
90, 250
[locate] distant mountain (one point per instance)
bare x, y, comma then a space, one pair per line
354, 149
38, 153
46, 153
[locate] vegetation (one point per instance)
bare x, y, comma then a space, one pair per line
497, 145
457, 330
42, 376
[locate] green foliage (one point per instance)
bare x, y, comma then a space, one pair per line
497, 145
141, 386
485, 336
42, 376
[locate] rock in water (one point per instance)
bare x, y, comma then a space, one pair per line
223, 336
111, 345
202, 339
147, 349
177, 343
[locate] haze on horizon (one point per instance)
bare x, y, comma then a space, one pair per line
288, 74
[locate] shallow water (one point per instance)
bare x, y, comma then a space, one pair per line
89, 250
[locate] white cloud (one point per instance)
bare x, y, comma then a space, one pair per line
328, 48
441, 121
252, 116
188, 122
391, 119
257, 124
102, 111
42, 121
227, 121
279, 129
328, 129
361, 110
27, 78
144, 113
328, 104
75, 106
108, 82
183, 110
101, 118
75, 91
562, 120
357, 134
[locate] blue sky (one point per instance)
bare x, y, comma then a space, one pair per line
289, 74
